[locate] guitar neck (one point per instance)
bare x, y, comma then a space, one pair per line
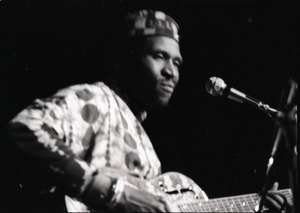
241, 203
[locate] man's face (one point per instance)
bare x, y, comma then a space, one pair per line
157, 71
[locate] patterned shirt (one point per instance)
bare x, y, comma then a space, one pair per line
80, 130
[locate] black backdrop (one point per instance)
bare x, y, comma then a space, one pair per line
221, 144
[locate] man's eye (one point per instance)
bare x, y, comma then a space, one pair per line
158, 56
177, 63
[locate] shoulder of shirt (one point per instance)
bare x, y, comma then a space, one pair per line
86, 87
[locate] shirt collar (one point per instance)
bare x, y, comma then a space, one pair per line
141, 115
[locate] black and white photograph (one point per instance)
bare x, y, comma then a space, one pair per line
149, 105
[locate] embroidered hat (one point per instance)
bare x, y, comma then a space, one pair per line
150, 22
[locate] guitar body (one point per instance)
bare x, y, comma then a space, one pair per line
183, 192
174, 186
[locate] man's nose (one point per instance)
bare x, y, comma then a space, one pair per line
170, 70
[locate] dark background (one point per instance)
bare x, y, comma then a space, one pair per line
222, 145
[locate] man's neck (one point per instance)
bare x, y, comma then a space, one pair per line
140, 113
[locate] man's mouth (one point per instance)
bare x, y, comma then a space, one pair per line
167, 87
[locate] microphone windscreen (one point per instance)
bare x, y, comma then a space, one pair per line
215, 86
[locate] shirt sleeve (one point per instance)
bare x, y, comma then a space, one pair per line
42, 130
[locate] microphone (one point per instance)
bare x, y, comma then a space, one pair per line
217, 87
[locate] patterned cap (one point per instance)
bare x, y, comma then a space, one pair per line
149, 22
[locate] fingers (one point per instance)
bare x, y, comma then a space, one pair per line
276, 201
168, 206
172, 208
275, 186
141, 201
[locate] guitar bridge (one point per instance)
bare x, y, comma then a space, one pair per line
179, 190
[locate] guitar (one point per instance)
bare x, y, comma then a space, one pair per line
240, 203
186, 194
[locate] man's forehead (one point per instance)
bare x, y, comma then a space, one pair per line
163, 44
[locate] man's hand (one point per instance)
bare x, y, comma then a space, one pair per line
134, 199
275, 201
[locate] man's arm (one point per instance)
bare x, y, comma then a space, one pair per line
41, 132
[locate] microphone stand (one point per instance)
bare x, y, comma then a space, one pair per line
287, 130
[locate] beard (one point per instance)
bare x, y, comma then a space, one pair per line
157, 100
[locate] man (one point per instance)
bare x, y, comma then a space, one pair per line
84, 148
